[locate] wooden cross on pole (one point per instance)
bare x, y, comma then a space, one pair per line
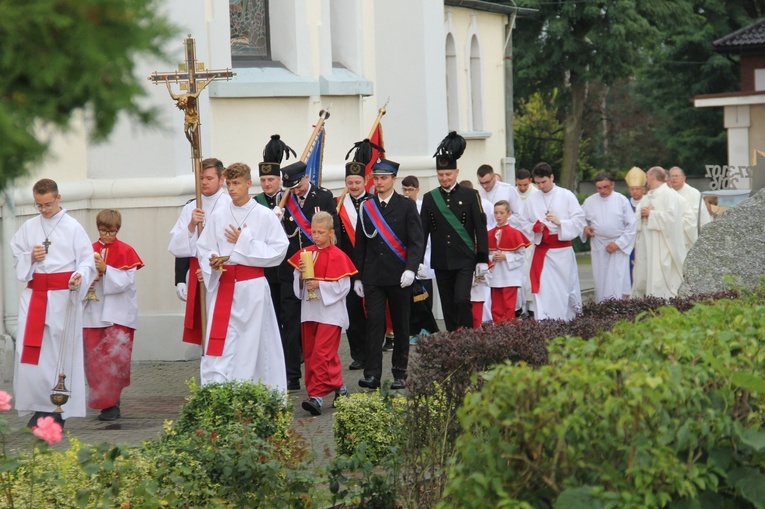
189, 75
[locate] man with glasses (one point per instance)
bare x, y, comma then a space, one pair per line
53, 256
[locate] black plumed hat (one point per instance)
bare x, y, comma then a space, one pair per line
361, 157
450, 149
273, 154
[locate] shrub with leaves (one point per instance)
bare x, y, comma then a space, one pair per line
661, 412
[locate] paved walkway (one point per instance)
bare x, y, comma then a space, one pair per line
158, 391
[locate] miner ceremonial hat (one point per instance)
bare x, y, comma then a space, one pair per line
385, 167
292, 174
362, 153
635, 177
450, 149
273, 154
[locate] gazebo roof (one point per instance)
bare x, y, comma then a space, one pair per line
747, 38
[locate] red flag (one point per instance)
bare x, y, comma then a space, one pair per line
377, 139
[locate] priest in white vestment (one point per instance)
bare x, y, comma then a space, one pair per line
243, 340
525, 188
556, 218
692, 196
611, 231
53, 255
660, 246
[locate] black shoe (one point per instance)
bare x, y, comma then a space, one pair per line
369, 382
312, 405
293, 385
398, 384
388, 346
356, 365
110, 414
33, 420
519, 313
342, 393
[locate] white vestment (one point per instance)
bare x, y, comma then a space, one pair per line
700, 213
69, 250
559, 295
525, 298
660, 246
613, 219
253, 349
182, 242
330, 307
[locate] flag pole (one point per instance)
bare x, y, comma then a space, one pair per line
323, 115
380, 114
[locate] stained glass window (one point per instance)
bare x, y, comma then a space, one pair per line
249, 30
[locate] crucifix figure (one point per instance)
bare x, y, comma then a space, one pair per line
189, 74
47, 245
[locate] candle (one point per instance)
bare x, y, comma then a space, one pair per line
307, 258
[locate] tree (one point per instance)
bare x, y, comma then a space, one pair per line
64, 56
570, 44
685, 65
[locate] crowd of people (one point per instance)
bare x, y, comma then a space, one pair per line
285, 272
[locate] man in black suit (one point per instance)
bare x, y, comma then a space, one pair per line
348, 213
304, 201
454, 219
389, 249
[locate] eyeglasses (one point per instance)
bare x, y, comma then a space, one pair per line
108, 232
46, 206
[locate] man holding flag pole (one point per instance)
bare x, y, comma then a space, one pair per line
302, 199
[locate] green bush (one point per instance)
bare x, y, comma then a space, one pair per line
667, 412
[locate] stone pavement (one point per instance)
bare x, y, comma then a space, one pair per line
158, 390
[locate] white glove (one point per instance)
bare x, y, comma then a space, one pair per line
421, 272
182, 291
358, 287
407, 278
481, 269
278, 212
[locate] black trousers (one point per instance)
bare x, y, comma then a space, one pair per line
454, 289
421, 315
291, 342
357, 330
399, 300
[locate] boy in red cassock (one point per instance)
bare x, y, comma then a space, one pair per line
507, 249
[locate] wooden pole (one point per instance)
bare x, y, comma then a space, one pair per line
323, 115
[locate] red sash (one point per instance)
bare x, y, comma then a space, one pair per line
297, 213
38, 307
384, 229
192, 321
549, 241
350, 228
222, 312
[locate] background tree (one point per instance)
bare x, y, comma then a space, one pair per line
64, 56
571, 44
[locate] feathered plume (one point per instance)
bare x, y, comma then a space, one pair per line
276, 149
363, 151
452, 146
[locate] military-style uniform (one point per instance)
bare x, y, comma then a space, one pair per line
316, 199
451, 257
380, 271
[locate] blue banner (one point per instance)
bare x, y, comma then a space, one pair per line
313, 165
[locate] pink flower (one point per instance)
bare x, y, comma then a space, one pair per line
48, 429
5, 401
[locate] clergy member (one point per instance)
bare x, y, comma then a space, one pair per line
692, 196
492, 190
238, 242
183, 244
556, 219
53, 256
660, 246
525, 187
611, 231
635, 179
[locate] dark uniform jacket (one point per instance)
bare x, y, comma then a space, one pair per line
316, 197
448, 251
377, 264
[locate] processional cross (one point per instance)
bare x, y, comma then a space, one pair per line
189, 75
